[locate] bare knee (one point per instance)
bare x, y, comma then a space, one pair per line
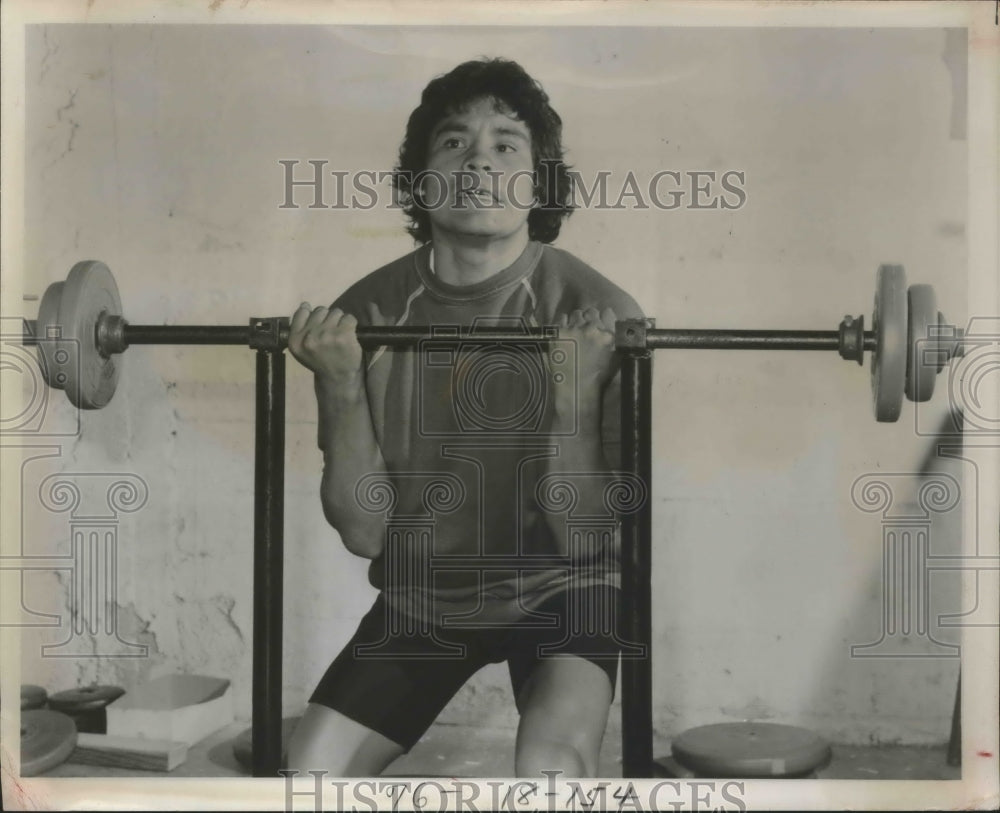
534, 758
307, 751
325, 740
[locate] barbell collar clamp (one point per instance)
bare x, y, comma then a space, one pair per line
950, 341
632, 334
269, 333
110, 332
852, 339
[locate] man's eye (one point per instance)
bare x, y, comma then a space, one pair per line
452, 143
506, 148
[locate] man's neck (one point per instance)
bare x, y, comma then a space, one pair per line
467, 260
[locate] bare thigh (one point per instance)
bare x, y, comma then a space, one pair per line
326, 740
564, 711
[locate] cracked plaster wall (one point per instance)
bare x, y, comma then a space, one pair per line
156, 150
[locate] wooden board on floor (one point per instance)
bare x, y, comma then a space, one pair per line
128, 752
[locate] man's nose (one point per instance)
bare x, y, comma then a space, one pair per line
478, 158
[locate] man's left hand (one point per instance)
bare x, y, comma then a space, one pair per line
592, 334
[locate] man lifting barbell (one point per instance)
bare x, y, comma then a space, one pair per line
483, 142
502, 406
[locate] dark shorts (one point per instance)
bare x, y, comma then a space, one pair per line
395, 678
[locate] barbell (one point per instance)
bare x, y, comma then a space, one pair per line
81, 334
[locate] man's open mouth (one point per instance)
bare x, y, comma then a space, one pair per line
478, 197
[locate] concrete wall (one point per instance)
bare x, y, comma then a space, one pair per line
156, 150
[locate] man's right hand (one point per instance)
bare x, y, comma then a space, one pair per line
324, 340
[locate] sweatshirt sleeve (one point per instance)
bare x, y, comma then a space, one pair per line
626, 308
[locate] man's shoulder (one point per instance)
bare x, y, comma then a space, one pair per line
387, 286
567, 282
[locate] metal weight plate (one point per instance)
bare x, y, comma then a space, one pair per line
47, 739
751, 750
921, 361
889, 358
53, 354
32, 697
243, 743
86, 698
88, 293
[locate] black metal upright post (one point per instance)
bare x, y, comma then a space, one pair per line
635, 610
269, 478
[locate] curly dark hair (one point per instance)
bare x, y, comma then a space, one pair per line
515, 92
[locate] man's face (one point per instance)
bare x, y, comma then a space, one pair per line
479, 173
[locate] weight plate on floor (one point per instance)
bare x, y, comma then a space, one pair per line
86, 705
53, 353
32, 697
922, 360
85, 698
88, 293
243, 743
889, 358
47, 739
750, 750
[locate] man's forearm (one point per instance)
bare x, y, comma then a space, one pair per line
350, 451
581, 452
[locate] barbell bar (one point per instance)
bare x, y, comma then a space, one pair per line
81, 334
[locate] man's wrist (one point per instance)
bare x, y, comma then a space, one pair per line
345, 388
